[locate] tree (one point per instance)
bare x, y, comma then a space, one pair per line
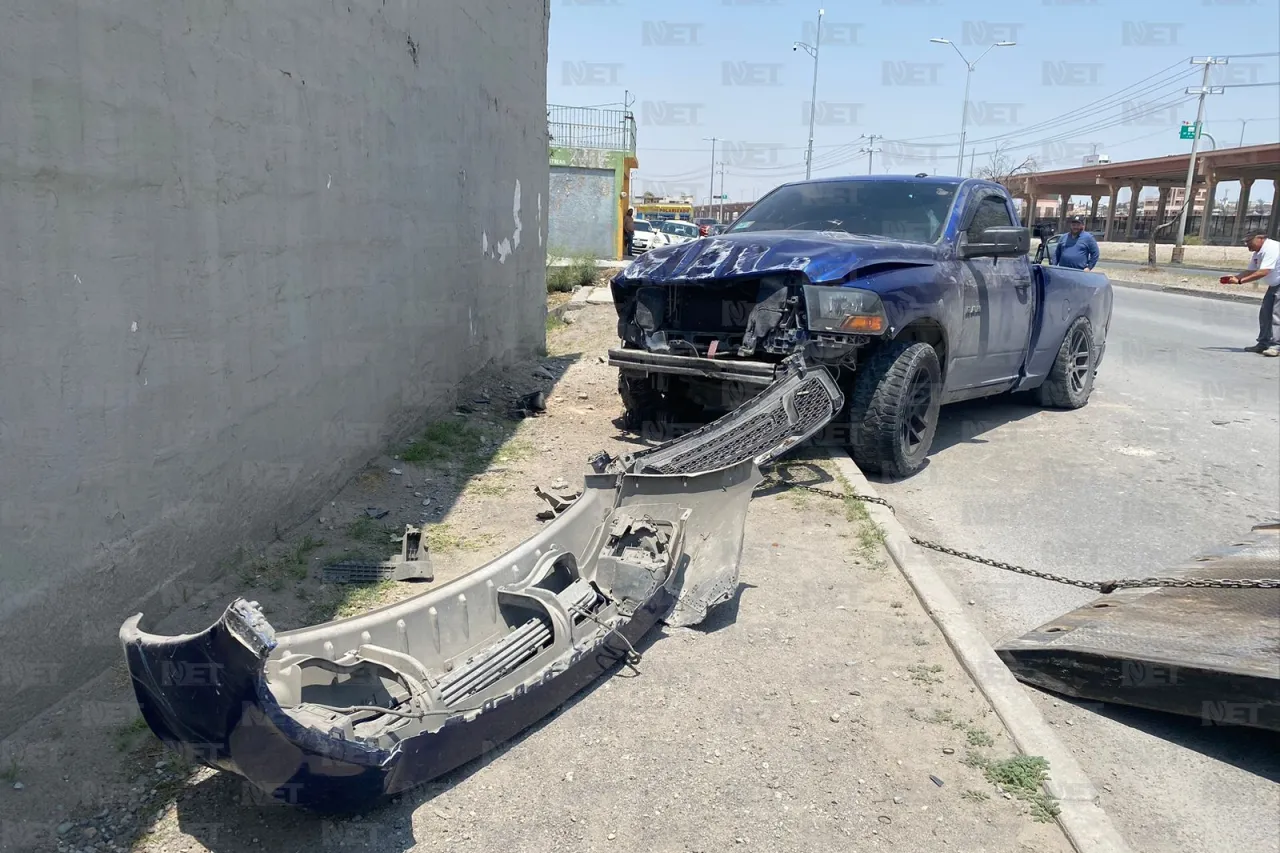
1003, 166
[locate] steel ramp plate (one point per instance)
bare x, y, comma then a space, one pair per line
1207, 653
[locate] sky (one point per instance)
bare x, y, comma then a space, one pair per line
1083, 77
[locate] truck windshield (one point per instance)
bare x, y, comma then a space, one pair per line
912, 210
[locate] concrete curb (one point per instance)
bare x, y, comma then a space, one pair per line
1189, 291
1083, 821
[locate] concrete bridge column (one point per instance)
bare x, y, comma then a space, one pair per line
1210, 193
1093, 211
1135, 190
1063, 200
1242, 210
1111, 213
1273, 224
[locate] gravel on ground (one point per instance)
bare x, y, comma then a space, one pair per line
821, 709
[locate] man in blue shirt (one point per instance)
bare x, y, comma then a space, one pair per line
1078, 249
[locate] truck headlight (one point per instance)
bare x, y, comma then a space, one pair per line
651, 304
844, 309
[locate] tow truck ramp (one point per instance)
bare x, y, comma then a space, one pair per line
1195, 651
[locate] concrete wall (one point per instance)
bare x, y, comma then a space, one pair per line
587, 200
244, 246
582, 215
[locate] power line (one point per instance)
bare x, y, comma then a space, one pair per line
844, 153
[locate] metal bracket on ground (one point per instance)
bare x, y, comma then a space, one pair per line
413, 563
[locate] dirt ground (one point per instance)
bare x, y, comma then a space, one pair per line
819, 710
1173, 278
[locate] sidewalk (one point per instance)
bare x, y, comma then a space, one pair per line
821, 709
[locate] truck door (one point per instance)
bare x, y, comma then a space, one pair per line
998, 301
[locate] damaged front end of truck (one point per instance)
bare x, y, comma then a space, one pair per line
339, 716
705, 327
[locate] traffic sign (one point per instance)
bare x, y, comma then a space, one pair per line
1188, 131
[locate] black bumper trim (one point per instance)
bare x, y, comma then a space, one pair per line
750, 372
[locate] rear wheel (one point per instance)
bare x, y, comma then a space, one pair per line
1070, 380
893, 410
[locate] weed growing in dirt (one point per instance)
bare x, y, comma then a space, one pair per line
369, 531
978, 737
490, 487
464, 448
975, 796
444, 442
275, 573
11, 773
441, 537
581, 271
513, 450
125, 735
975, 735
925, 674
555, 323
362, 598
1023, 776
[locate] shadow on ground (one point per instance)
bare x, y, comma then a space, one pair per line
1253, 750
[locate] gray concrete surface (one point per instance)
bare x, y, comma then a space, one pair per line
583, 211
1178, 451
1088, 827
244, 246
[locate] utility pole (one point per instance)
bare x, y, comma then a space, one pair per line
720, 217
972, 156
711, 195
870, 150
1205, 89
812, 50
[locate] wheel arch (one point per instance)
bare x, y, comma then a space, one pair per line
932, 332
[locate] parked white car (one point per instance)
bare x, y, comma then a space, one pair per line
642, 239
675, 231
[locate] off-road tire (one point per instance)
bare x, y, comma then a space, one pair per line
654, 414
885, 401
1070, 382
641, 400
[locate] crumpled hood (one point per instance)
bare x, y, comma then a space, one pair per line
823, 256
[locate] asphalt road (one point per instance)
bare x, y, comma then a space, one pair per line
1177, 452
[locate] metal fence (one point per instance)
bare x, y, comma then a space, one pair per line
1221, 227
591, 127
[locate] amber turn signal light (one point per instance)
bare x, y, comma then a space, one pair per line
863, 323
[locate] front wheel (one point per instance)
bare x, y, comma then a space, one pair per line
1070, 380
654, 414
893, 410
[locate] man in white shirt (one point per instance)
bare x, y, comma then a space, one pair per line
1265, 265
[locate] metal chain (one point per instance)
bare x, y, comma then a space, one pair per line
1104, 587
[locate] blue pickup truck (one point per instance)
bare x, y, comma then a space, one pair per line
914, 291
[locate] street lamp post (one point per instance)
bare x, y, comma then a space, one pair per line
964, 112
812, 50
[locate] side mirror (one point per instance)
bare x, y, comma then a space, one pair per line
1000, 242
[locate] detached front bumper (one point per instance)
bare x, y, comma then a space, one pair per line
749, 372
